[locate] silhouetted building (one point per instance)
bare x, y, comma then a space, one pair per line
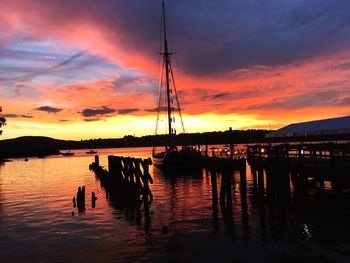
327, 129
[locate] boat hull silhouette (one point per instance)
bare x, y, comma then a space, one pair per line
181, 158
67, 153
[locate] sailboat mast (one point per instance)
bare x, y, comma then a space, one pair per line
166, 55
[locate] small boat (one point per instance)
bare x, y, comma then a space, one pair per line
91, 152
173, 157
69, 153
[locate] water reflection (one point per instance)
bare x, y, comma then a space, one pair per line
244, 208
135, 213
214, 191
211, 214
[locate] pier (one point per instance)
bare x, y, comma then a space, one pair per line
318, 161
277, 171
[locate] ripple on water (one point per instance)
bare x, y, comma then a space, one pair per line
36, 217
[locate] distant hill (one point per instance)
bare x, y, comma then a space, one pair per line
28, 146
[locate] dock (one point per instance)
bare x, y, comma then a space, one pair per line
317, 161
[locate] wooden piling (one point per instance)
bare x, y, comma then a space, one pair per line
226, 188
270, 182
146, 180
254, 175
125, 181
231, 143
93, 200
214, 189
261, 180
243, 178
81, 198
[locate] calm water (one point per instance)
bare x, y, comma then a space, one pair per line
37, 225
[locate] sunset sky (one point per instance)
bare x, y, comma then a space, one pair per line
81, 69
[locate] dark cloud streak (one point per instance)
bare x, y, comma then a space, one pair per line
40, 72
27, 116
218, 96
97, 112
26, 74
127, 111
92, 119
11, 115
48, 109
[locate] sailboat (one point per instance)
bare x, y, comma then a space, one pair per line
68, 153
171, 156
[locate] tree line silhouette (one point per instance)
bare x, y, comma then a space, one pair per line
2, 120
41, 146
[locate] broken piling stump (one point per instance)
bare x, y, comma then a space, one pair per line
127, 179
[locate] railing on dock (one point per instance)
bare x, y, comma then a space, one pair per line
320, 162
226, 153
327, 151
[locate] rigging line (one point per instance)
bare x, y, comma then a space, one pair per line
159, 78
160, 35
165, 32
167, 62
159, 99
160, 68
177, 98
163, 97
165, 100
159, 75
159, 72
159, 95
